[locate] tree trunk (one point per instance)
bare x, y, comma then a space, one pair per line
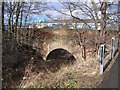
9, 20
21, 31
16, 23
3, 26
103, 17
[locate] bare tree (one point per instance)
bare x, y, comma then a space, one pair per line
103, 9
91, 12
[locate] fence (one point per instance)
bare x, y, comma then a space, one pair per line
108, 50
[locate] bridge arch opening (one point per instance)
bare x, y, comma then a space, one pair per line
61, 55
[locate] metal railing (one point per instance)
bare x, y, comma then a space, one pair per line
108, 49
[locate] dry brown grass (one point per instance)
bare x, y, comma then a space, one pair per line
83, 75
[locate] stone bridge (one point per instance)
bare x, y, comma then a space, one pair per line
49, 41
67, 41
65, 45
61, 39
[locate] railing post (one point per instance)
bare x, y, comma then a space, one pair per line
113, 47
102, 54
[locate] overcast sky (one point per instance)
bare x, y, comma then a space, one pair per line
54, 14
80, 14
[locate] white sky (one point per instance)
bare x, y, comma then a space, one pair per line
55, 14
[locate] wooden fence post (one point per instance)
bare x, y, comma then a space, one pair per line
113, 47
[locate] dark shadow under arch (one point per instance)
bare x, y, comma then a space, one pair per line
60, 54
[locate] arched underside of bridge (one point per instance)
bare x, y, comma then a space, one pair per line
57, 50
60, 54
